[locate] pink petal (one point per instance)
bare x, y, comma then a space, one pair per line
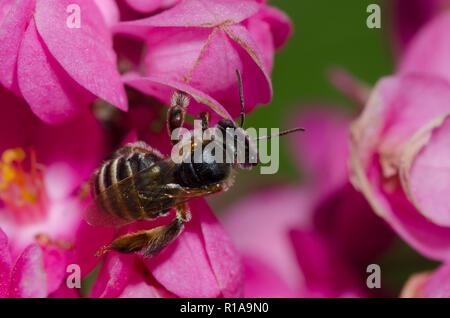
208, 60
184, 267
342, 213
55, 263
138, 288
281, 26
260, 233
11, 33
428, 238
5, 7
395, 112
17, 114
60, 224
256, 80
66, 167
65, 292
28, 276
323, 150
347, 222
113, 276
84, 53
259, 31
429, 51
109, 10
200, 13
425, 170
320, 263
262, 281
163, 89
69, 167
438, 285
409, 16
89, 240
5, 265
140, 285
53, 96
224, 259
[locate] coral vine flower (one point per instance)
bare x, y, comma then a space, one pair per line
41, 169
200, 44
58, 69
399, 145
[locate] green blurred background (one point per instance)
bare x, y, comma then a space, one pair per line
327, 33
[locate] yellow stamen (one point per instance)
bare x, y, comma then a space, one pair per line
11, 155
28, 196
13, 175
8, 173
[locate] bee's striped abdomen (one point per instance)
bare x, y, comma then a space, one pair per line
124, 163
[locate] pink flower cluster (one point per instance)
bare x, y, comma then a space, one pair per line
313, 240
80, 77
399, 144
58, 58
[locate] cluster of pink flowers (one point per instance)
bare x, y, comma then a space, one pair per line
80, 77
400, 148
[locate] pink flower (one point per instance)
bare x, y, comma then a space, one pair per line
109, 10
25, 277
42, 168
57, 67
429, 285
200, 44
148, 6
399, 144
305, 235
201, 262
341, 213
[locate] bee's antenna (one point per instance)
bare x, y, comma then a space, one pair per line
241, 96
282, 133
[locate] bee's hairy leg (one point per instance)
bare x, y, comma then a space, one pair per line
176, 114
154, 240
168, 233
204, 117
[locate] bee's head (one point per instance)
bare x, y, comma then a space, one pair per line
244, 148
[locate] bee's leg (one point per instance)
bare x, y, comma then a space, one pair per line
176, 114
204, 117
154, 240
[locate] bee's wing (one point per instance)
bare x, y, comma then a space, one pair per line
97, 216
156, 190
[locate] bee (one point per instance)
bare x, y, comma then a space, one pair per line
138, 183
